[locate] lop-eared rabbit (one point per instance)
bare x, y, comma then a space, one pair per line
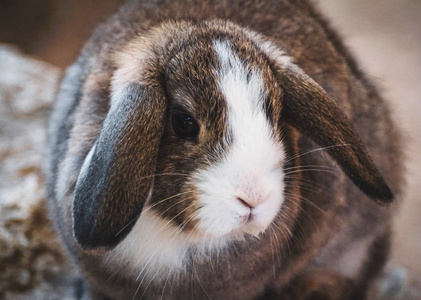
222, 150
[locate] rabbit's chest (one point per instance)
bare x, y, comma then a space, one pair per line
154, 248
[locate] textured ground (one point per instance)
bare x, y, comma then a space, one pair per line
32, 263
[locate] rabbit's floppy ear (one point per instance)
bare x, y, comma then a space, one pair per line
117, 175
306, 106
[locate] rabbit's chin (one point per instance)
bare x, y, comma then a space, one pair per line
215, 240
205, 236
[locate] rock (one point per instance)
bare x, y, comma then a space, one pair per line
32, 263
393, 283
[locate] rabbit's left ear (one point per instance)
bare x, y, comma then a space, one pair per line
117, 175
306, 106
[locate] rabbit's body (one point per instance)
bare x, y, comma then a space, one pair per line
323, 236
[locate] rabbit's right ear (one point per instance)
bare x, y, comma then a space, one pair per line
307, 106
117, 175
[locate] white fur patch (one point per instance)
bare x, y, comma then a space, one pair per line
351, 263
252, 169
350, 260
153, 247
86, 163
156, 248
273, 51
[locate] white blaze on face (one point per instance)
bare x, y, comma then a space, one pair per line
252, 169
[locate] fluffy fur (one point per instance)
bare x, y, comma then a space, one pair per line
247, 208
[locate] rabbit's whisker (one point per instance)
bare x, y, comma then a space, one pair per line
308, 166
166, 199
154, 205
147, 265
293, 196
162, 174
288, 159
308, 170
200, 283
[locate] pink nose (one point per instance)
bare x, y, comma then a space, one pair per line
249, 202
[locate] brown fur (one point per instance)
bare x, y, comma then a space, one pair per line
324, 212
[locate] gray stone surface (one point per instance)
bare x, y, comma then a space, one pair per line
32, 263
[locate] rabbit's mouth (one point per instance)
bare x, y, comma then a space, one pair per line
240, 205
248, 218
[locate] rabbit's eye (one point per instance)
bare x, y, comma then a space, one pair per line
184, 125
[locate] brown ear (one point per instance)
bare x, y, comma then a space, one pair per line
308, 108
117, 175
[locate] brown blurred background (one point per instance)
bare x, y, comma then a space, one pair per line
383, 34
52, 30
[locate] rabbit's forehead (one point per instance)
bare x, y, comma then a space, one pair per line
197, 74
242, 85
244, 93
225, 81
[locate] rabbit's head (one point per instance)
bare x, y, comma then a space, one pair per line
200, 132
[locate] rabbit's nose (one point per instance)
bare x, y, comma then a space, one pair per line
250, 202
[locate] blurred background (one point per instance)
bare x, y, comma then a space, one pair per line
384, 35
52, 30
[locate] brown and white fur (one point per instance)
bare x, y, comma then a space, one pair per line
187, 156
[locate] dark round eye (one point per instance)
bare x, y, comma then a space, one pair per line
184, 125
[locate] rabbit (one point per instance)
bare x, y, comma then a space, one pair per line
222, 150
